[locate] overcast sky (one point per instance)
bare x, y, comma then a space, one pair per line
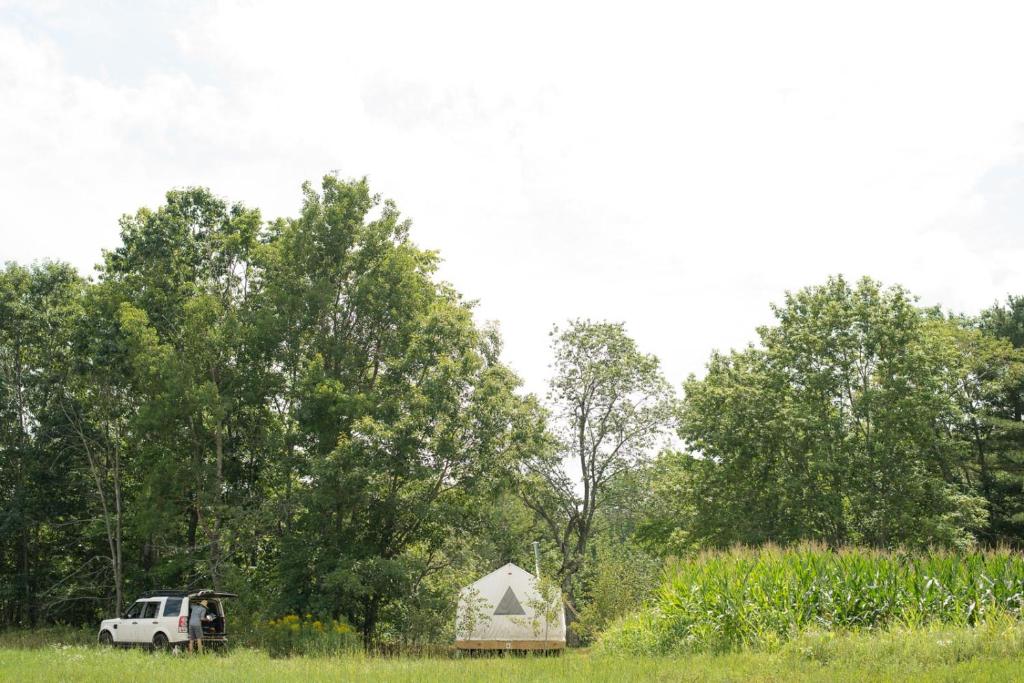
677, 166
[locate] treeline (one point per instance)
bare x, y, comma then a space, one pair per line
299, 410
296, 408
858, 419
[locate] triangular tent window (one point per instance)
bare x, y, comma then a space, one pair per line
509, 604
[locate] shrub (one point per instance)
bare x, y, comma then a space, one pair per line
616, 584
293, 634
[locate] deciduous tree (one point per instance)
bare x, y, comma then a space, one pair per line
610, 408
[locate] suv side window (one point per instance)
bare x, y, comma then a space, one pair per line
172, 607
134, 611
151, 609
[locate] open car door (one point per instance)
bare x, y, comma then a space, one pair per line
215, 624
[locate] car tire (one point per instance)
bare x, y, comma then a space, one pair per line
106, 639
160, 642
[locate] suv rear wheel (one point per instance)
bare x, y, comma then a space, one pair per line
160, 642
106, 640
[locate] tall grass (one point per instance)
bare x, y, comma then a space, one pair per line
48, 636
989, 652
293, 635
722, 601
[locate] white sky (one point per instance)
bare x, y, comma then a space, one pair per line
673, 165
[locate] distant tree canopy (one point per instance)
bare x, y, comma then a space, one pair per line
301, 411
858, 419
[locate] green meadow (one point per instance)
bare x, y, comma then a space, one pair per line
988, 652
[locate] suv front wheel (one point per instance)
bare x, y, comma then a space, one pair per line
106, 640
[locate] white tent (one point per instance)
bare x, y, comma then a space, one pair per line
508, 610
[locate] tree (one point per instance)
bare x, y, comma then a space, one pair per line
545, 605
399, 412
610, 406
837, 428
99, 407
300, 407
184, 279
40, 492
994, 389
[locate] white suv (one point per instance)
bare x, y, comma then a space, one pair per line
160, 619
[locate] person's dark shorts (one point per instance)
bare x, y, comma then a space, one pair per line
195, 632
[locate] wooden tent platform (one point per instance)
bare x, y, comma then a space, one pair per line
510, 644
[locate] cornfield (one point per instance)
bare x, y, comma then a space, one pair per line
728, 600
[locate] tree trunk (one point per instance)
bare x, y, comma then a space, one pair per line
193, 524
100, 469
27, 613
572, 639
372, 607
118, 535
20, 494
215, 549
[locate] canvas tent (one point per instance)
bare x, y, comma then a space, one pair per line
505, 610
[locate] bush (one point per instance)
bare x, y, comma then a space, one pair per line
723, 601
294, 635
620, 579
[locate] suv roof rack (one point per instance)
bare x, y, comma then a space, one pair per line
207, 593
198, 593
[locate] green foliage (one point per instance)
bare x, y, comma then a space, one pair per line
616, 582
302, 412
611, 406
398, 413
43, 550
718, 601
298, 411
545, 607
996, 431
294, 635
847, 425
474, 612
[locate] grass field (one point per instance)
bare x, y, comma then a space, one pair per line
990, 652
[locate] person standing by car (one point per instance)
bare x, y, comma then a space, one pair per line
195, 625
